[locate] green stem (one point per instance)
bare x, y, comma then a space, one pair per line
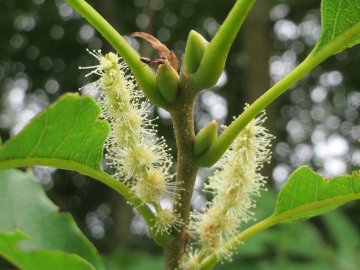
143, 74
214, 58
210, 261
314, 59
101, 176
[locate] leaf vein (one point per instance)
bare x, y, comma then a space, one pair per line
40, 138
336, 19
69, 131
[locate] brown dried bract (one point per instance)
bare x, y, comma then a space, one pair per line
160, 48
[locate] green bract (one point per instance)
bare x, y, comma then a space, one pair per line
214, 58
205, 138
194, 51
168, 82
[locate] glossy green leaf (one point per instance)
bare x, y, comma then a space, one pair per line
337, 17
39, 259
24, 207
68, 130
307, 194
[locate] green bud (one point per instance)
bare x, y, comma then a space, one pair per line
194, 51
205, 138
168, 82
214, 58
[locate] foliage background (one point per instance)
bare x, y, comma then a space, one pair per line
316, 123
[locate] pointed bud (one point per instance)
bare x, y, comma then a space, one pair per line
194, 51
205, 138
214, 58
167, 81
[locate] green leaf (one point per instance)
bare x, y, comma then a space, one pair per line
307, 194
345, 238
69, 130
337, 17
69, 135
25, 207
40, 259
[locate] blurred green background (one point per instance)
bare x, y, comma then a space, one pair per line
316, 123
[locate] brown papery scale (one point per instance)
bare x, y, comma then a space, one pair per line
160, 48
